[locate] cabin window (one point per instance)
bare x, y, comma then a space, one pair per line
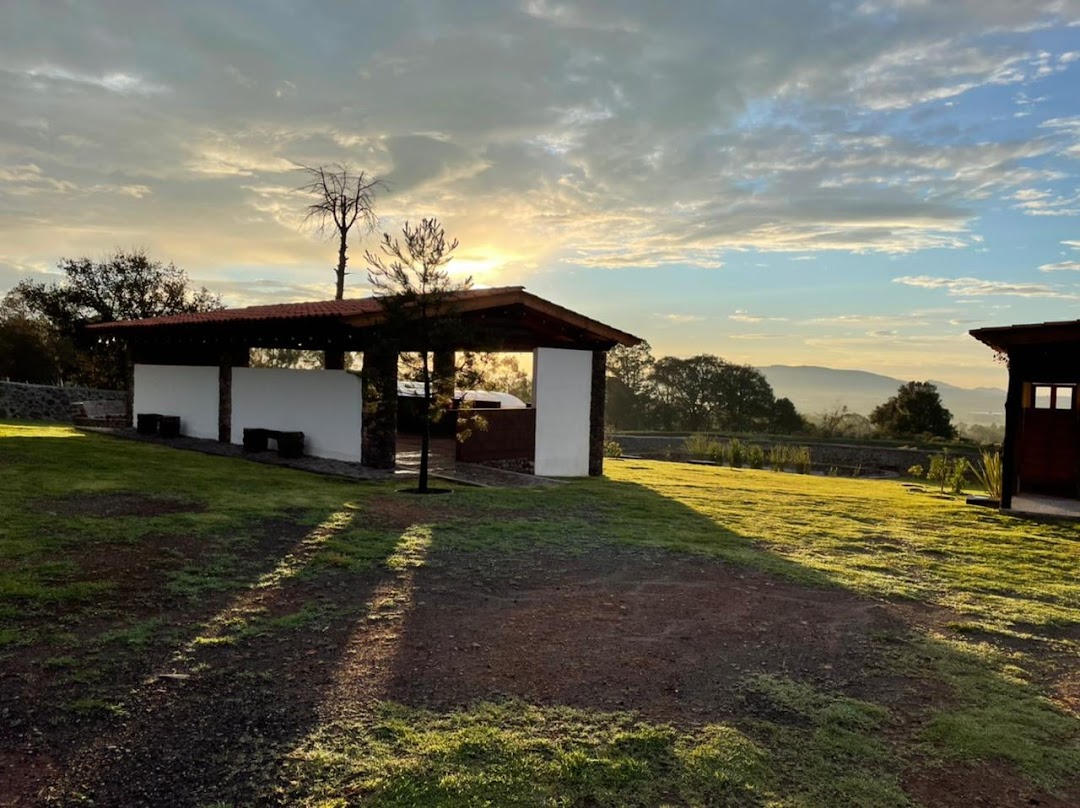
1063, 399
1054, 396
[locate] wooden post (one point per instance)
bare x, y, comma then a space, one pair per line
1014, 410
333, 360
379, 448
596, 413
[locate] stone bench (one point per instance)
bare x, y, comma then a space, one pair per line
289, 444
104, 412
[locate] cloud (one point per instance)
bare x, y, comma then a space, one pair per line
976, 287
741, 316
1063, 265
549, 132
682, 318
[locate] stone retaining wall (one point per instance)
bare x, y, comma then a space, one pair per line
845, 457
42, 402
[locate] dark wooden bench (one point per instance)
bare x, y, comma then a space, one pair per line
289, 444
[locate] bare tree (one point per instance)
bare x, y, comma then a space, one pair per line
410, 277
344, 198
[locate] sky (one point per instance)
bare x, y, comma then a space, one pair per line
848, 184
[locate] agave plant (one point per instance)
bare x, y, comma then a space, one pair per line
988, 473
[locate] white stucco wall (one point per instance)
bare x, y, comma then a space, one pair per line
326, 405
562, 392
185, 390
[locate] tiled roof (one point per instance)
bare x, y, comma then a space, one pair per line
320, 309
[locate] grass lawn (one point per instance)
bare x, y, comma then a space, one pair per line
183, 629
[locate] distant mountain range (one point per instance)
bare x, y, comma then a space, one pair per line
814, 390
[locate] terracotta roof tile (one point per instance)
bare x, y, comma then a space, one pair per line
350, 307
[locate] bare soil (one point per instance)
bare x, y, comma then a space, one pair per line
667, 636
119, 503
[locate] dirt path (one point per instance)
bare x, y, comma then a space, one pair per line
667, 636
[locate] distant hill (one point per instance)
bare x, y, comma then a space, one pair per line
816, 389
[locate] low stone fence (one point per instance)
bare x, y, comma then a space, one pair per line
43, 402
848, 458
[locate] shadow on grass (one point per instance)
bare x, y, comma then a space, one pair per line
521, 647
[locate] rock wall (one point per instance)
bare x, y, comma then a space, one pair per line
42, 402
848, 458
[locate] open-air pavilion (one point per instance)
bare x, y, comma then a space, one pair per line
196, 366
1041, 451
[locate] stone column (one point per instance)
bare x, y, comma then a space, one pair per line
379, 448
229, 359
596, 413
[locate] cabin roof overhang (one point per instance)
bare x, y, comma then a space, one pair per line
499, 319
1009, 338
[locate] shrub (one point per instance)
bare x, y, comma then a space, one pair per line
717, 452
778, 455
958, 475
917, 471
612, 448
698, 446
736, 453
800, 458
948, 472
988, 474
755, 456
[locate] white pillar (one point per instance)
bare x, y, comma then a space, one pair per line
562, 394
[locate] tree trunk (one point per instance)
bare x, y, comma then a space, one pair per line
343, 245
425, 433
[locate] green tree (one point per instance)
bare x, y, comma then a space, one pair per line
124, 286
916, 409
30, 349
705, 392
628, 371
785, 419
410, 277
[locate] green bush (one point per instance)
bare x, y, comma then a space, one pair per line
736, 453
755, 456
778, 456
916, 471
612, 448
717, 452
800, 458
945, 471
697, 446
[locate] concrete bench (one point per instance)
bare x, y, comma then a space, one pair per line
289, 444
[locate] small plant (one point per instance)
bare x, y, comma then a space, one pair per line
917, 471
800, 458
958, 475
755, 456
699, 446
988, 474
947, 472
612, 448
778, 455
736, 453
717, 452
939, 469
833, 472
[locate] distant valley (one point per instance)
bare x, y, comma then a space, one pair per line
817, 389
